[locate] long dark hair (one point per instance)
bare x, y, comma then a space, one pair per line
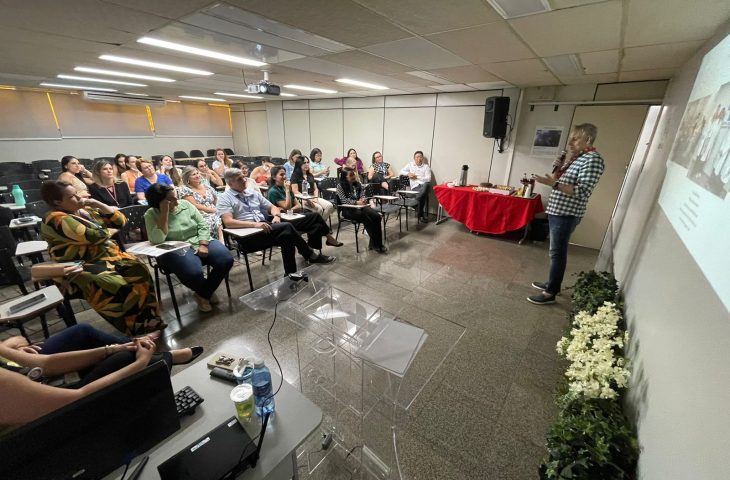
347, 187
298, 173
64, 163
156, 193
314, 152
274, 171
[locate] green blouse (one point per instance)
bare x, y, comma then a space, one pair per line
185, 224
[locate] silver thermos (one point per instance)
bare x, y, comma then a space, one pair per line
463, 177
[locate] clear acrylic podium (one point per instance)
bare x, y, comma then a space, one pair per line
361, 366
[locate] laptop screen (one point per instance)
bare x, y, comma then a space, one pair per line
95, 435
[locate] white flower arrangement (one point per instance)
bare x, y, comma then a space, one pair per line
595, 370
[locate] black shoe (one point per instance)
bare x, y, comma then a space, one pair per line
325, 259
197, 351
381, 249
541, 299
541, 286
423, 219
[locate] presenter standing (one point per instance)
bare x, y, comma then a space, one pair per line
572, 182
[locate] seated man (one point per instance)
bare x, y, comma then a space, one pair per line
419, 175
240, 207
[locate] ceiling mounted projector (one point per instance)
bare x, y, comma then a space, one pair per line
264, 87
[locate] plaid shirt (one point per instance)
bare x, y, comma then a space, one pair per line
583, 174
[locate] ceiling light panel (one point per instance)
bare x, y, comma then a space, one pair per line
310, 89
156, 65
116, 73
204, 99
519, 8
358, 83
76, 87
178, 47
282, 94
100, 80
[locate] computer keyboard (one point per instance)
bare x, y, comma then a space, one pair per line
186, 401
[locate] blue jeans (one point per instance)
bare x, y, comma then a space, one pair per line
189, 268
79, 337
561, 227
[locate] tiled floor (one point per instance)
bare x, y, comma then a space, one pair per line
484, 412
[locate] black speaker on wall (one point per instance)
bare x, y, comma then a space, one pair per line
495, 117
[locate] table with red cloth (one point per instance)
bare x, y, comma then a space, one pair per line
485, 212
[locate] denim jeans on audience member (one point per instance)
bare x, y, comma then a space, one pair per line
189, 268
561, 227
79, 337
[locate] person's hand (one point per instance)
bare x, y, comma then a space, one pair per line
112, 231
202, 251
287, 184
545, 180
145, 348
361, 202
265, 226
126, 347
92, 202
411, 175
32, 349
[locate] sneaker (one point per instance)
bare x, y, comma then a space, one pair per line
203, 304
324, 259
541, 286
541, 299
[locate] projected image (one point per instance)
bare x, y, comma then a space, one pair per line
691, 132
710, 163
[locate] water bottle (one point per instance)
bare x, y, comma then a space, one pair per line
18, 195
262, 390
305, 187
463, 178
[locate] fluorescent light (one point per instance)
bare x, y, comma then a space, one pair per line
310, 89
358, 83
76, 87
100, 80
136, 94
200, 51
513, 9
172, 101
7, 87
287, 94
101, 71
160, 66
205, 99
236, 95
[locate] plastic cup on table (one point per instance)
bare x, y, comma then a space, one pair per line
242, 398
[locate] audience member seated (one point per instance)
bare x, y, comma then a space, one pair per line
249, 181
245, 208
149, 177
380, 172
113, 282
107, 189
74, 173
281, 195
208, 176
318, 205
419, 175
262, 174
289, 165
171, 219
120, 166
350, 192
203, 197
167, 167
319, 171
351, 160
132, 173
26, 399
221, 162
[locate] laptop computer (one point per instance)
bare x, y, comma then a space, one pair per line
95, 435
225, 451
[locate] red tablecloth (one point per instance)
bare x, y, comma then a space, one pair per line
486, 212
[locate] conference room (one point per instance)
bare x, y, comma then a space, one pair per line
430, 345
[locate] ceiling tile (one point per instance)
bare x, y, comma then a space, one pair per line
413, 80
366, 61
652, 57
430, 16
639, 75
420, 90
418, 53
494, 42
453, 88
346, 21
588, 28
599, 78
523, 73
172, 9
664, 21
560, 4
490, 85
467, 74
599, 62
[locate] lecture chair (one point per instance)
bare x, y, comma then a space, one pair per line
228, 151
196, 154
210, 152
179, 154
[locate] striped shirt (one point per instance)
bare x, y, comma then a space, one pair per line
583, 174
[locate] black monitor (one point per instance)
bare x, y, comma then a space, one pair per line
95, 435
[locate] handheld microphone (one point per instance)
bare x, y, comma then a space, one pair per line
558, 163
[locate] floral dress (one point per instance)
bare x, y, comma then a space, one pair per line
115, 283
208, 200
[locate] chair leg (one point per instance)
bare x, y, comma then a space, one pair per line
66, 312
339, 224
172, 296
44, 326
357, 244
228, 287
248, 271
157, 284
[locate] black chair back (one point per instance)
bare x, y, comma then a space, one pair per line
32, 184
135, 220
87, 162
32, 195
39, 208
52, 165
210, 152
156, 158
179, 154
324, 184
109, 159
228, 151
186, 162
16, 168
278, 161
196, 154
6, 215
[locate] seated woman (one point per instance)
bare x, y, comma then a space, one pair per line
167, 167
318, 205
107, 189
74, 173
281, 195
114, 283
120, 166
221, 162
203, 197
250, 184
149, 177
208, 176
380, 172
289, 165
262, 174
98, 367
171, 219
319, 171
350, 192
132, 173
351, 160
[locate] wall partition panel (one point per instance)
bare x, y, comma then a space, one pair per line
26, 115
326, 131
407, 130
257, 128
296, 130
363, 131
80, 118
191, 120
240, 136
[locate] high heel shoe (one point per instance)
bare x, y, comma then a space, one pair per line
197, 351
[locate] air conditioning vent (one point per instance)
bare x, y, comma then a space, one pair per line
121, 98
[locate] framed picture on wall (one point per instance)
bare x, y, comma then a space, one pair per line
547, 141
